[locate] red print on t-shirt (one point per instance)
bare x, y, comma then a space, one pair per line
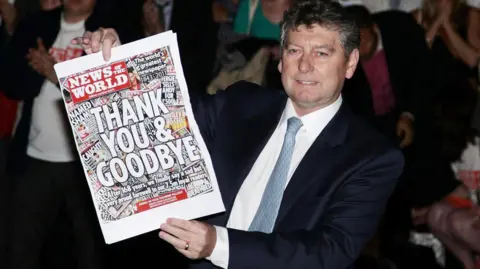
69, 53
471, 178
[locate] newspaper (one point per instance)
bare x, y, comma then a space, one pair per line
140, 147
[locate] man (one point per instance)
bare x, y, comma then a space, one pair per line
393, 75
49, 189
316, 200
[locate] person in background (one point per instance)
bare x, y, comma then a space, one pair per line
260, 18
444, 185
11, 12
196, 35
224, 10
259, 22
313, 202
387, 87
474, 29
451, 31
49, 194
8, 16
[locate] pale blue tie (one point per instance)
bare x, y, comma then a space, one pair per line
266, 215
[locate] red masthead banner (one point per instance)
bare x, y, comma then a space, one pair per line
98, 82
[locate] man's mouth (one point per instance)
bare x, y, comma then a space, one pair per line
306, 82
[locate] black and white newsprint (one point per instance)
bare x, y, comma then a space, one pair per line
142, 152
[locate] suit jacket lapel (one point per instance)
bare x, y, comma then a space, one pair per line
316, 162
255, 131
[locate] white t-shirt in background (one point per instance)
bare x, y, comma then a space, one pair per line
50, 136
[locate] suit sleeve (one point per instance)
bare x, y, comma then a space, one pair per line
348, 223
21, 82
207, 109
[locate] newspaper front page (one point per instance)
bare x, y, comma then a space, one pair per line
140, 147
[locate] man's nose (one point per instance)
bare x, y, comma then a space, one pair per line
306, 64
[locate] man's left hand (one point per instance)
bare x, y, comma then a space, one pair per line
42, 62
194, 239
405, 131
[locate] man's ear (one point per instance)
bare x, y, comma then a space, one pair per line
280, 67
352, 63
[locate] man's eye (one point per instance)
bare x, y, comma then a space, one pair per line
292, 51
321, 53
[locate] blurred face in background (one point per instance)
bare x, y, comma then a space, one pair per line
443, 2
50, 4
273, 9
79, 7
368, 42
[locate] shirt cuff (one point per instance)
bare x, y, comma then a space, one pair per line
408, 115
220, 253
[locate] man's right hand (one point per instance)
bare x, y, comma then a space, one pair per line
103, 39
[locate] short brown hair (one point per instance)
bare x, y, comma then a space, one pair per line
325, 13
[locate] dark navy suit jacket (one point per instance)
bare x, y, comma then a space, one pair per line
334, 200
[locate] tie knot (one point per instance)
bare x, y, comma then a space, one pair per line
293, 125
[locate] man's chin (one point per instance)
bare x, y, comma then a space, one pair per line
305, 104
308, 103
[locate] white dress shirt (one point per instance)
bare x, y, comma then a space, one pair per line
251, 192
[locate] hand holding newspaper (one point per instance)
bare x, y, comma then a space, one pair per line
140, 147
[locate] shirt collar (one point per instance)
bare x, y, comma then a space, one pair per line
315, 122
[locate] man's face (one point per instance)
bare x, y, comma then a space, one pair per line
314, 67
79, 7
368, 42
